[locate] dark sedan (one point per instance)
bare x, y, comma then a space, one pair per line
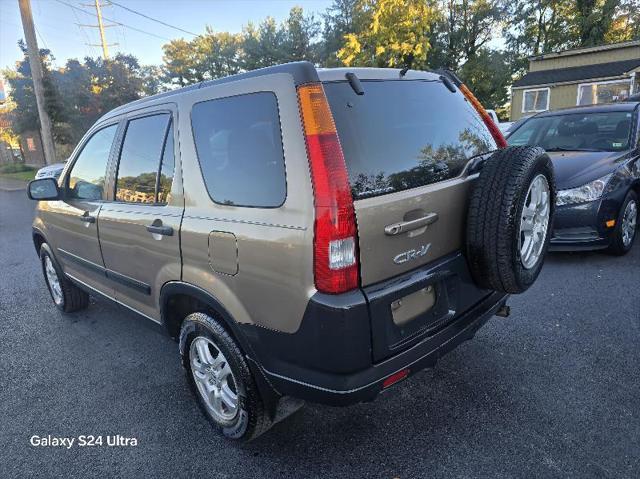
596, 155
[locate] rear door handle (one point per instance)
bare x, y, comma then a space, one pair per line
404, 226
160, 230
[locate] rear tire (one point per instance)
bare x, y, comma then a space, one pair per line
623, 237
248, 419
65, 295
499, 254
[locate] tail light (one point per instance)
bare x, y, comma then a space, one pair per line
488, 121
335, 231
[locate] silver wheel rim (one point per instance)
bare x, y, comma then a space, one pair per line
534, 222
214, 379
629, 223
54, 282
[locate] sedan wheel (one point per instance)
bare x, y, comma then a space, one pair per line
629, 223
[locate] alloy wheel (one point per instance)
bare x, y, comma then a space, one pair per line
629, 223
54, 282
534, 223
214, 379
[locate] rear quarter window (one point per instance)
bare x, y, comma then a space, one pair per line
404, 134
239, 145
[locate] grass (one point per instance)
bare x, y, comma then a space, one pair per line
17, 171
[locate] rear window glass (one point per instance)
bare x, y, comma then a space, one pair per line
239, 146
404, 134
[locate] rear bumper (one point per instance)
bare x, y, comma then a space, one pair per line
332, 358
365, 385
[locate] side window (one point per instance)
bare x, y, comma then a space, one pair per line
87, 176
140, 159
167, 168
239, 146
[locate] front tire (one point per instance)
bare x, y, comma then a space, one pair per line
626, 227
220, 379
67, 297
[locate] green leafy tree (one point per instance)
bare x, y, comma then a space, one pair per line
338, 22
626, 23
179, 60
488, 74
261, 45
24, 117
216, 54
594, 19
299, 34
390, 33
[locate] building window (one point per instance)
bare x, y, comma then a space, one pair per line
603, 92
535, 100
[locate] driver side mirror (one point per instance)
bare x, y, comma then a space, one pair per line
45, 189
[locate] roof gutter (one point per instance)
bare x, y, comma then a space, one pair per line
573, 82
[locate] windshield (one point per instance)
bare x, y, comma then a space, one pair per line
605, 131
404, 134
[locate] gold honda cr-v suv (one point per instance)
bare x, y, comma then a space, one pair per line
304, 234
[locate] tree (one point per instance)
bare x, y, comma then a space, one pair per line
488, 74
178, 61
540, 26
625, 25
594, 19
338, 22
390, 33
216, 54
24, 117
78, 94
299, 34
261, 45
269, 44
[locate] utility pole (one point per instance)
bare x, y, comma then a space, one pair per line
100, 26
37, 76
105, 51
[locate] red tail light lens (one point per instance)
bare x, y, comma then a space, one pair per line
491, 125
335, 240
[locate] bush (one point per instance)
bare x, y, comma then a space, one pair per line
15, 168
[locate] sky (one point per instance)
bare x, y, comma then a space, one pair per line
57, 24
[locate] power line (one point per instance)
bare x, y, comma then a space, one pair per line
152, 19
113, 21
41, 37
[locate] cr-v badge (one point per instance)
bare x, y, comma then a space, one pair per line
412, 254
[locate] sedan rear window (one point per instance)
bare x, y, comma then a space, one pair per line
404, 134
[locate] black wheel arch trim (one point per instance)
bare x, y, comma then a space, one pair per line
35, 232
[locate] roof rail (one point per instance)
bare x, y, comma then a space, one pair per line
302, 72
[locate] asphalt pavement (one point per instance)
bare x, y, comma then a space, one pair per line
553, 391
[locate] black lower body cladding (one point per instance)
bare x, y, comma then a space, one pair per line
500, 231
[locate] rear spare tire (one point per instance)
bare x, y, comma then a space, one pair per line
510, 219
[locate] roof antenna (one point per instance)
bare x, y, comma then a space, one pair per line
404, 71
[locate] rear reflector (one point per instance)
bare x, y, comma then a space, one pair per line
335, 239
394, 378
